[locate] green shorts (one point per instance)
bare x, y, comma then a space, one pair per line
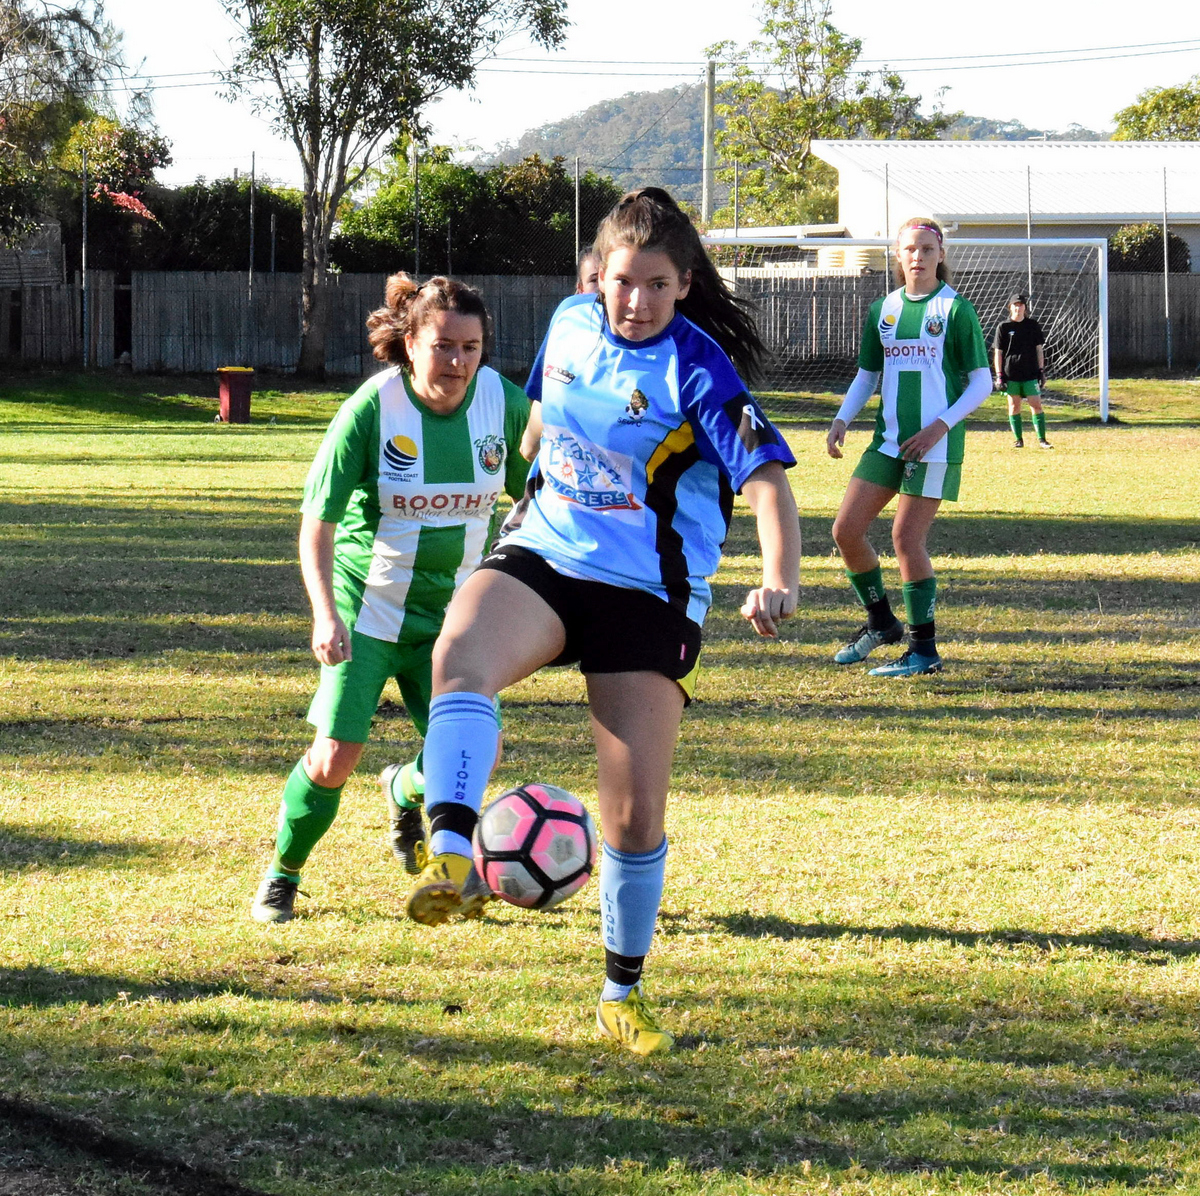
349, 693
1023, 390
925, 479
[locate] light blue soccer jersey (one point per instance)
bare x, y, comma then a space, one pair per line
644, 445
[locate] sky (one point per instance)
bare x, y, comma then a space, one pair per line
1068, 70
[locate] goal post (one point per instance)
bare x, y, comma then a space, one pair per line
813, 293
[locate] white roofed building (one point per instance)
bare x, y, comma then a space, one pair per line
990, 188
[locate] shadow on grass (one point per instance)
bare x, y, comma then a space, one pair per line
992, 534
667, 1139
758, 926
21, 848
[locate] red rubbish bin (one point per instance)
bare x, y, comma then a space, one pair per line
236, 384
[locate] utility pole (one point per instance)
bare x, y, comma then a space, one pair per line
709, 159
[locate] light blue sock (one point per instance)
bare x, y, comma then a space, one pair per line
631, 886
459, 751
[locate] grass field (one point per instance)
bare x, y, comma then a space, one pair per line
926, 936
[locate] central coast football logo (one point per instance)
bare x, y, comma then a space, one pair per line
935, 326
400, 453
491, 453
887, 323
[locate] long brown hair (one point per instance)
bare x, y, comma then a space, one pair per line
927, 222
407, 308
651, 219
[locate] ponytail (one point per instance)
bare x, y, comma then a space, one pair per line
650, 219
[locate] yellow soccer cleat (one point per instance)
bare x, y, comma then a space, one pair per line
438, 891
632, 1024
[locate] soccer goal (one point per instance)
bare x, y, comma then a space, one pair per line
812, 296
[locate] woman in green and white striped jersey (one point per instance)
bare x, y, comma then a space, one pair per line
398, 508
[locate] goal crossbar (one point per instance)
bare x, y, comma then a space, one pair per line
736, 238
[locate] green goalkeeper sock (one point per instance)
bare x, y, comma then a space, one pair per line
307, 812
1018, 426
1039, 424
920, 597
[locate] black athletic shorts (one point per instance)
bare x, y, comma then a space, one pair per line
610, 629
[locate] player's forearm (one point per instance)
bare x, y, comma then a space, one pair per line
979, 387
316, 564
778, 522
861, 389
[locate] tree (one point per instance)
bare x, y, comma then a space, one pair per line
345, 77
121, 161
508, 219
1162, 114
1138, 248
799, 82
52, 58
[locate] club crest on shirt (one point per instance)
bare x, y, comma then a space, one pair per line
637, 406
400, 453
557, 374
935, 326
491, 453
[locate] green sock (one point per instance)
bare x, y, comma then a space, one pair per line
408, 786
920, 597
1039, 424
1018, 426
307, 813
868, 586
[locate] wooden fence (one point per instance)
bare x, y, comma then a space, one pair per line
195, 322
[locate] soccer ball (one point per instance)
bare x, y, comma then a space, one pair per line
535, 845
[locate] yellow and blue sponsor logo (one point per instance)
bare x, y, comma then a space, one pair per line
400, 453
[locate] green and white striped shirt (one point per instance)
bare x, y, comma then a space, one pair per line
414, 494
925, 347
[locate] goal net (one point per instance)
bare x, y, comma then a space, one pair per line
812, 296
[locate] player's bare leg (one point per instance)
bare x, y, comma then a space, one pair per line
635, 723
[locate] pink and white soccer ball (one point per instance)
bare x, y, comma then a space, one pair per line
535, 846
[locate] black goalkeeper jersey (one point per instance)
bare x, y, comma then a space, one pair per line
1017, 342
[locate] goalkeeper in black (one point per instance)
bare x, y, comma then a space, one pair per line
1020, 363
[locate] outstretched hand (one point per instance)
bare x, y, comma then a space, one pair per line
767, 607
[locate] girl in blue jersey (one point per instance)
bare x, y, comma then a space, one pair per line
648, 433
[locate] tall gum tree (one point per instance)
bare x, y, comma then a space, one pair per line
800, 81
344, 79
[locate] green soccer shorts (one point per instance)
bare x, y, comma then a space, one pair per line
349, 693
925, 479
1023, 390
